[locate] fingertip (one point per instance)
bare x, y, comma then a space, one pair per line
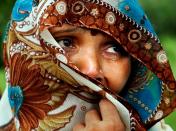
105, 102
78, 127
102, 101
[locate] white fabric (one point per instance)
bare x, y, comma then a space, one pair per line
5, 109
79, 114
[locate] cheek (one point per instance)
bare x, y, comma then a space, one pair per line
117, 73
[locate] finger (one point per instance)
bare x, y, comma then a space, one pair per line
109, 111
79, 127
92, 116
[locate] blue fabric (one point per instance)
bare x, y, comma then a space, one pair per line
20, 6
15, 95
146, 98
150, 96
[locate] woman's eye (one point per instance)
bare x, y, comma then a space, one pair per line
116, 48
112, 49
66, 43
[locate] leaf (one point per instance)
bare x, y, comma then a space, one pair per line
57, 71
56, 121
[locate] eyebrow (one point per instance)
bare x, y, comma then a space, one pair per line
69, 30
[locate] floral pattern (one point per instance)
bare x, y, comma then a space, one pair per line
27, 80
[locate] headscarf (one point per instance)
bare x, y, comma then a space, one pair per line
44, 93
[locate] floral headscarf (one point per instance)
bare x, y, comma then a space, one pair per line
44, 93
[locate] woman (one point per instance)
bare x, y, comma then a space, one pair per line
62, 57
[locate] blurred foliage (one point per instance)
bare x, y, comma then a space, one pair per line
162, 15
5, 12
171, 120
2, 81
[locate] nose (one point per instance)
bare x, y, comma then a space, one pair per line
89, 64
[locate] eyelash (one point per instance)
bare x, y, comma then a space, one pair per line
69, 44
117, 48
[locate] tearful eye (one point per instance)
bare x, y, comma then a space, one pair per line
66, 43
112, 49
116, 48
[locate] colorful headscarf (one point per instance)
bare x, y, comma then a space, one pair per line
44, 93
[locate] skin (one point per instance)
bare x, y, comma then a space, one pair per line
99, 56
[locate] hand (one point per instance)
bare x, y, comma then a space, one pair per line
107, 120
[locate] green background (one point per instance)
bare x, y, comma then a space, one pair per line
162, 16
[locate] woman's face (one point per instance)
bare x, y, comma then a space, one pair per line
95, 54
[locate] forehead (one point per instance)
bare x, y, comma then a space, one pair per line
69, 29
